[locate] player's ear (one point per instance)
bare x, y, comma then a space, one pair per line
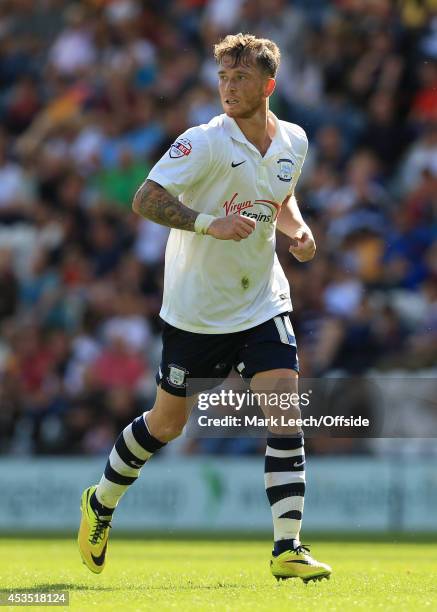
270, 87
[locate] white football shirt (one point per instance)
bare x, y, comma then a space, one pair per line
220, 286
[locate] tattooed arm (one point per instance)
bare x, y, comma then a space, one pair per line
153, 202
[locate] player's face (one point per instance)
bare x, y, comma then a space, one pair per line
243, 88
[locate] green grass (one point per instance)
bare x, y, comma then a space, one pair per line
223, 575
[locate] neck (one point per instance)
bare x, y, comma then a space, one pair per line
259, 129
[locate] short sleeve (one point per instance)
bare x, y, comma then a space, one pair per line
300, 149
185, 163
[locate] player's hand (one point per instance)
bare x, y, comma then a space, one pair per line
234, 227
303, 246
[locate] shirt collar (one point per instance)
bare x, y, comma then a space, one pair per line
280, 141
231, 128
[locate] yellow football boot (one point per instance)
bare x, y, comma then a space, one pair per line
298, 563
93, 535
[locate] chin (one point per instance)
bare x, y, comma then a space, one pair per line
236, 113
230, 111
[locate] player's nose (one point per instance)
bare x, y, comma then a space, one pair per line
230, 86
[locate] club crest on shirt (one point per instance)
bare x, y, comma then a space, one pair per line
285, 170
181, 147
176, 376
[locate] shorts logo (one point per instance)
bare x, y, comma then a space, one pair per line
285, 170
180, 147
177, 376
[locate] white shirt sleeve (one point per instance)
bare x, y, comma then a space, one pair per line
185, 163
300, 148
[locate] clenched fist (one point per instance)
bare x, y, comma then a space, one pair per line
303, 246
234, 227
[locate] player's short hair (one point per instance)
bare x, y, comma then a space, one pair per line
244, 47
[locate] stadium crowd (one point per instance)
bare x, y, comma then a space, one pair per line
92, 93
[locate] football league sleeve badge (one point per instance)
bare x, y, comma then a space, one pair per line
180, 147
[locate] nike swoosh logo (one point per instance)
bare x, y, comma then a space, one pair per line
296, 464
100, 559
234, 165
298, 561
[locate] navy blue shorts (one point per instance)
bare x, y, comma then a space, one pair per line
185, 355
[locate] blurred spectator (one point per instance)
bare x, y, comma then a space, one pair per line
421, 156
117, 365
384, 133
8, 285
73, 49
15, 192
118, 185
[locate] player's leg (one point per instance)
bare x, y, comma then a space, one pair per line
148, 433
284, 459
269, 359
184, 354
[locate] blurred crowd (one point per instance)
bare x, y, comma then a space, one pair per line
92, 93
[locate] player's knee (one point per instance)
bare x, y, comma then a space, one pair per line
169, 431
278, 374
165, 426
281, 380
283, 407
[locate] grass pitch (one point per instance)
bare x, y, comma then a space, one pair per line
223, 575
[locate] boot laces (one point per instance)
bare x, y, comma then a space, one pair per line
99, 530
302, 548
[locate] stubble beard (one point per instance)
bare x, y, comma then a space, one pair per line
249, 112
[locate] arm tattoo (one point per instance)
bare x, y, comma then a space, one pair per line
153, 202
